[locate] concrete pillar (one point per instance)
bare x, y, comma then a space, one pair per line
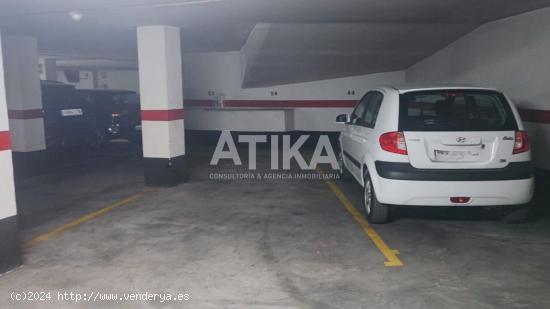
24, 99
161, 91
9, 244
48, 69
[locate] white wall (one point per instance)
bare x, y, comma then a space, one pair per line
208, 75
247, 120
511, 54
120, 80
86, 80
221, 72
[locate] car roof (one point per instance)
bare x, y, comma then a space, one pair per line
418, 87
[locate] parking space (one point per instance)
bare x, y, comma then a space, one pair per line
266, 244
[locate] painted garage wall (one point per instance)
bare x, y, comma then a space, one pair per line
511, 54
314, 105
112, 79
86, 79
119, 80
246, 120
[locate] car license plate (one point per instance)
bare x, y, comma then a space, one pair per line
453, 156
71, 112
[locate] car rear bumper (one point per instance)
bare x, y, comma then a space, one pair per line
438, 193
405, 171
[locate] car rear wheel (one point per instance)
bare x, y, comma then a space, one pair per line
375, 212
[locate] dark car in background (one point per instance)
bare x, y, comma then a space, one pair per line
117, 113
68, 119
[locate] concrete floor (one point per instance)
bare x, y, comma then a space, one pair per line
264, 244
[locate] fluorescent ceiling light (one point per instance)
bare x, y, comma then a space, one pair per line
76, 15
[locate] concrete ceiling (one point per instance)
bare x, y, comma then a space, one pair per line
305, 39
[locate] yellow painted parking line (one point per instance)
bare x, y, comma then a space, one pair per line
390, 254
67, 226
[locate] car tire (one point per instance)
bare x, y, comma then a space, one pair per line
517, 215
375, 212
343, 171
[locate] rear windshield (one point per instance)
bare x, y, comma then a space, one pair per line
455, 110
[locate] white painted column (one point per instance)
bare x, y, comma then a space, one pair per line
9, 245
48, 69
161, 91
23, 93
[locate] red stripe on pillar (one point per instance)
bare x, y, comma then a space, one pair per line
5, 143
25, 114
162, 115
534, 115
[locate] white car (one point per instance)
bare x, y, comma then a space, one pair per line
436, 146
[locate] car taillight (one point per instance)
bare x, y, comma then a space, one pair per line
393, 142
521, 143
460, 199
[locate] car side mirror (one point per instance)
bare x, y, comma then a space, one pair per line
342, 119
